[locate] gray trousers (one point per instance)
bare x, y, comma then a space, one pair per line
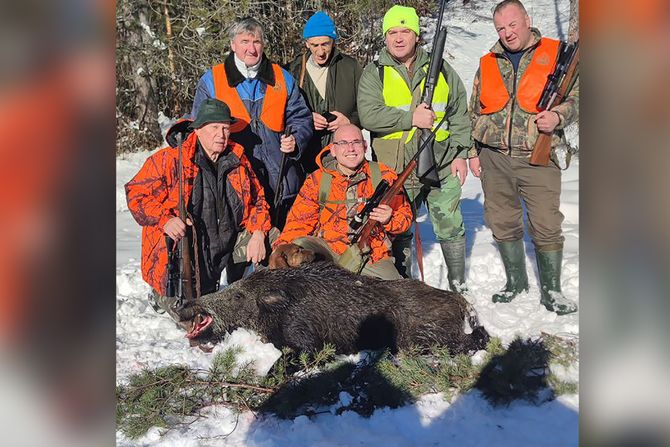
507, 181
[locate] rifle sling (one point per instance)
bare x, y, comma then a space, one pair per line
417, 242
303, 67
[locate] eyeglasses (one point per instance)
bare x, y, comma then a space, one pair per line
342, 144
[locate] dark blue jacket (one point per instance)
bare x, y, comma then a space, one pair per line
261, 144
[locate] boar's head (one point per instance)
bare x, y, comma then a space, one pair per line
211, 316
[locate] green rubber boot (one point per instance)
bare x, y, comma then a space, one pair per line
454, 256
549, 266
514, 260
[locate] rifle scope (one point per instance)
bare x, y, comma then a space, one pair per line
371, 204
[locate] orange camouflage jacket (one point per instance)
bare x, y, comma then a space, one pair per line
153, 199
330, 221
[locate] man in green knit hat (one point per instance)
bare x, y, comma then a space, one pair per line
389, 106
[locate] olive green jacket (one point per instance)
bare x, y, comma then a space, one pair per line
517, 136
381, 120
341, 85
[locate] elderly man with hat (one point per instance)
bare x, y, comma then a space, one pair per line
388, 103
329, 82
225, 204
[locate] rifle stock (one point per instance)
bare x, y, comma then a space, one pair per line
542, 148
365, 234
362, 236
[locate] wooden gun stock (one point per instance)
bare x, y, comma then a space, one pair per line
362, 238
370, 225
542, 148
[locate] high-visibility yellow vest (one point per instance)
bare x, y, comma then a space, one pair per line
397, 94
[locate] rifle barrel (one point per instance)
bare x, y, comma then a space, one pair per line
185, 289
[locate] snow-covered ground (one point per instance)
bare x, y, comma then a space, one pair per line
146, 339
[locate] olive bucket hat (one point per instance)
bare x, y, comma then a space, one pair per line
212, 110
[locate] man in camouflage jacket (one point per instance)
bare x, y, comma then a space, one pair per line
506, 125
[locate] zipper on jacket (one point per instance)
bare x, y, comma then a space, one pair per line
511, 113
513, 96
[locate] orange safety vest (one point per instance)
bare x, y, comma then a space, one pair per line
274, 103
494, 95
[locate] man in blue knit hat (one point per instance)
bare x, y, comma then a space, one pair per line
329, 82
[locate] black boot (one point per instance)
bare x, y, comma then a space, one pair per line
549, 267
402, 252
514, 260
454, 256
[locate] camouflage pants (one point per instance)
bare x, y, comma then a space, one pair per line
383, 269
507, 181
240, 250
444, 207
445, 214
238, 261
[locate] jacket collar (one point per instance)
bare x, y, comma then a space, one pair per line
265, 73
226, 161
328, 163
335, 57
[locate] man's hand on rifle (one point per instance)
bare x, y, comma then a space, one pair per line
423, 117
382, 214
256, 247
175, 228
459, 169
320, 122
287, 144
547, 121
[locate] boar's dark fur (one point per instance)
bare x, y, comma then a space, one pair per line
305, 307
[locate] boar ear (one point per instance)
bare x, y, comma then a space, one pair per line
273, 298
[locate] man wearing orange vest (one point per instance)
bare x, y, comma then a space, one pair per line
506, 123
265, 100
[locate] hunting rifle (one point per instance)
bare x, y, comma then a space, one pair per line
384, 195
559, 82
426, 169
180, 283
279, 186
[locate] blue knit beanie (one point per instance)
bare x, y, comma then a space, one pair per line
320, 24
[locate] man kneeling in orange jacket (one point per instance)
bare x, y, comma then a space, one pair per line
320, 219
223, 198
